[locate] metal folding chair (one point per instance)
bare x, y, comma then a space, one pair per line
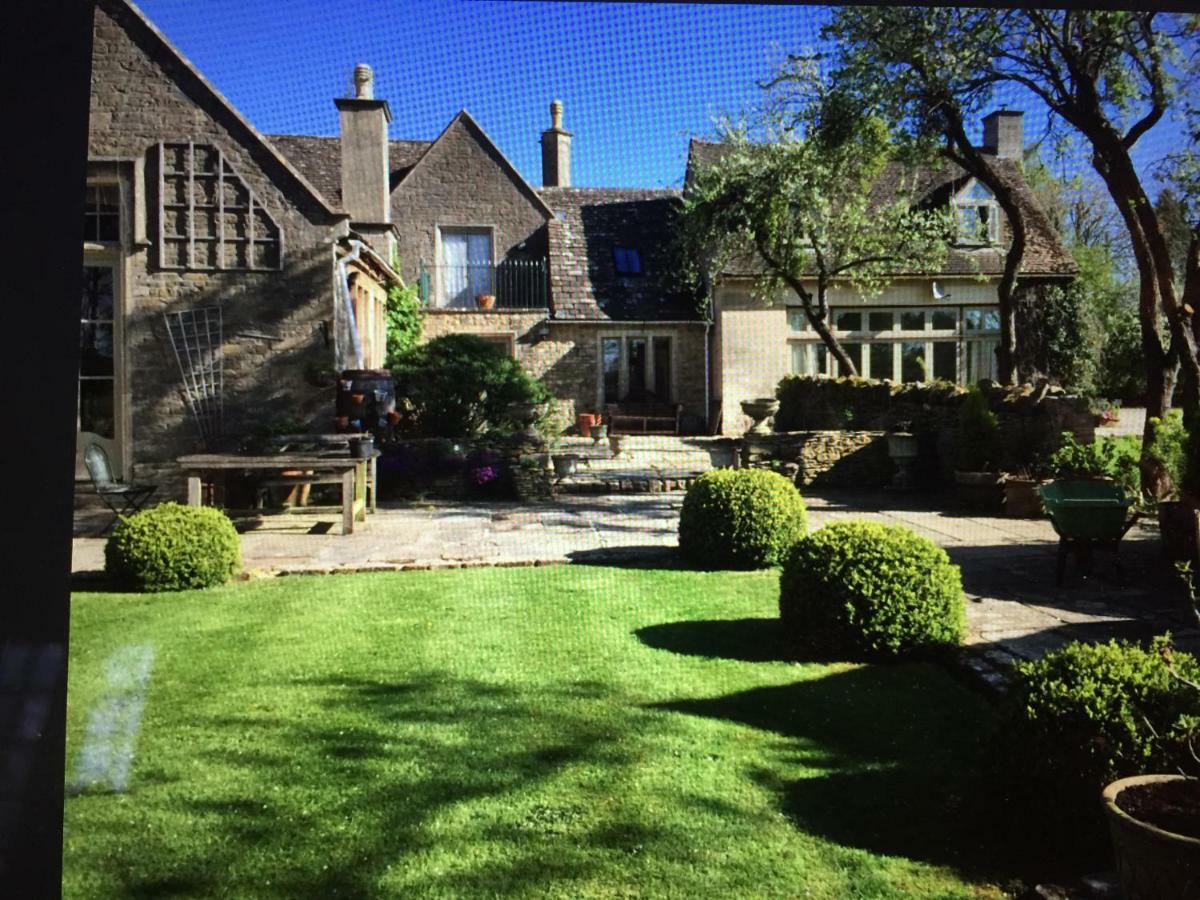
131, 497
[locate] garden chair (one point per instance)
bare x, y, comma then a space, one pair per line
132, 497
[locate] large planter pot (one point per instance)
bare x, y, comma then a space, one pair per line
564, 464
980, 491
1152, 862
1179, 525
1022, 499
485, 301
903, 449
586, 422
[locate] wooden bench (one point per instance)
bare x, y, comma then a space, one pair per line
643, 418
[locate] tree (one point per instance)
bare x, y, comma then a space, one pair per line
1112, 76
802, 203
925, 70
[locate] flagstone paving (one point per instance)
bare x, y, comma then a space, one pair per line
1014, 609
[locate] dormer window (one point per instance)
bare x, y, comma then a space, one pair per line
627, 260
977, 215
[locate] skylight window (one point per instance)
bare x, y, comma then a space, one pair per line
627, 260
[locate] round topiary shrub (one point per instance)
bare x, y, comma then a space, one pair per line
740, 519
173, 548
865, 589
1085, 715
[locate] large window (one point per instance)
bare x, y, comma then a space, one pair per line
902, 344
466, 266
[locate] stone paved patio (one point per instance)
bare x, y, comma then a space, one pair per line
1014, 609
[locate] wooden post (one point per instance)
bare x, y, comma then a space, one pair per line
348, 479
193, 489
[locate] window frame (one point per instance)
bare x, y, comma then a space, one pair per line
968, 200
439, 287
627, 261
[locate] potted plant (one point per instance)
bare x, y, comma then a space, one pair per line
1174, 447
599, 433
1154, 819
485, 301
975, 472
1022, 494
564, 464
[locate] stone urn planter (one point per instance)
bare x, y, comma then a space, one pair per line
616, 443
525, 414
599, 433
760, 410
564, 464
1154, 823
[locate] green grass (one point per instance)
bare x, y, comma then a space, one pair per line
558, 731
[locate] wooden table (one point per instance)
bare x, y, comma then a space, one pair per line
328, 468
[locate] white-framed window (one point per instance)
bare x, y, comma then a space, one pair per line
466, 266
948, 343
977, 215
102, 213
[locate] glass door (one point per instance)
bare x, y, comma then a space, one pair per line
97, 417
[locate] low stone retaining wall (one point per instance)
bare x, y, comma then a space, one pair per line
827, 458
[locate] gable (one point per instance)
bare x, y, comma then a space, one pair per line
144, 91
464, 159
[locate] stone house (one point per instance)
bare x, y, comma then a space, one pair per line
191, 210
294, 240
923, 327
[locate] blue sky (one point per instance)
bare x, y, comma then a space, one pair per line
636, 80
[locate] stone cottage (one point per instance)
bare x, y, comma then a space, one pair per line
923, 327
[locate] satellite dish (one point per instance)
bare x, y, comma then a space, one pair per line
938, 293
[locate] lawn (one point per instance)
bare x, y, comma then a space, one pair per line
560, 731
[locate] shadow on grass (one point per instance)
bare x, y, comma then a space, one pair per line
748, 640
904, 775
641, 556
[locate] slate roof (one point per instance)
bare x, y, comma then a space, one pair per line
1045, 254
320, 159
588, 224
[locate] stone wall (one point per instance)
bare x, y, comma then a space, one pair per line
461, 182
842, 459
140, 96
1031, 419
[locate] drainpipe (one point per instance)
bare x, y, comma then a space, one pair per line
707, 378
344, 282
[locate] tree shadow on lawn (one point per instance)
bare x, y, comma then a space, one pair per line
324, 805
903, 748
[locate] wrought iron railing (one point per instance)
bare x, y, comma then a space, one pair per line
514, 283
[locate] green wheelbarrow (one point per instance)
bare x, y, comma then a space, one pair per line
1086, 515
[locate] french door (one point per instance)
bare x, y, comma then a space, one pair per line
636, 369
98, 419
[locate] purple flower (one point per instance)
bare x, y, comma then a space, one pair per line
482, 475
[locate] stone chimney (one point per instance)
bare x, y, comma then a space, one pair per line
556, 150
1003, 134
366, 194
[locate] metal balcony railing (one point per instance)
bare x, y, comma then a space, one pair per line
515, 283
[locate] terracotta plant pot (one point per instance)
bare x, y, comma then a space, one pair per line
485, 301
1022, 499
586, 421
1153, 863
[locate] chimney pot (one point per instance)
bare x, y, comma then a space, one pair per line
556, 150
364, 82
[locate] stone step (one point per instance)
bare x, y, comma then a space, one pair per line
628, 481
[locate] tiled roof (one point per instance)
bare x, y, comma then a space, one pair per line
588, 224
1044, 251
320, 159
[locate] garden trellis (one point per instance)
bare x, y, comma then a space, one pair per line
197, 339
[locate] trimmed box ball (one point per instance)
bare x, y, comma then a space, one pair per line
173, 548
740, 519
869, 590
